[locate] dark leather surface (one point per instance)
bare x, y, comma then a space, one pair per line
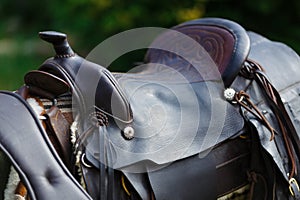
89, 82
92, 85
23, 139
224, 41
223, 170
171, 122
178, 109
59, 133
48, 82
281, 65
176, 113
280, 62
186, 179
174, 103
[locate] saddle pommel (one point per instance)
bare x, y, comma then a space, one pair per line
59, 42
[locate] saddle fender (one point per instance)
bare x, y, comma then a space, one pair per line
24, 141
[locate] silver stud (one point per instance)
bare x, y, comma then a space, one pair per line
128, 132
229, 94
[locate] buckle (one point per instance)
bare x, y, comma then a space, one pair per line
294, 187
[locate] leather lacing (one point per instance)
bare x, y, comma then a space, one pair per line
244, 100
253, 70
278, 109
253, 178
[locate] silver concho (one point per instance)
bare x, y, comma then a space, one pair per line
128, 132
229, 94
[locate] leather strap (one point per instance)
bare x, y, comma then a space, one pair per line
59, 133
56, 125
286, 137
290, 136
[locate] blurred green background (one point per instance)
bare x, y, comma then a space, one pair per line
88, 22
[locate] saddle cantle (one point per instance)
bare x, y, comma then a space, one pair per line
225, 42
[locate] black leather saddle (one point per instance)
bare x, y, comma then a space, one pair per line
172, 102
164, 113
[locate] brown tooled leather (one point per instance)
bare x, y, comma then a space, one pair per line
58, 130
57, 125
218, 43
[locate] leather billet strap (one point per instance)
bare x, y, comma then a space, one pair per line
25, 142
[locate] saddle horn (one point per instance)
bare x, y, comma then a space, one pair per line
59, 42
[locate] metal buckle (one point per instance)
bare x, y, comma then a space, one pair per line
293, 184
83, 161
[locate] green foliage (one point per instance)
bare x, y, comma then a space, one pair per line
88, 22
276, 19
